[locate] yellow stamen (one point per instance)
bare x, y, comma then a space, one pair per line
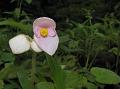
44, 32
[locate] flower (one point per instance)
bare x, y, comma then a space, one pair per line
35, 47
19, 44
45, 34
45, 38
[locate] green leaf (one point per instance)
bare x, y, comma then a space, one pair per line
67, 49
12, 85
75, 80
19, 25
6, 71
3, 40
24, 80
45, 85
115, 50
91, 86
64, 39
72, 79
28, 1
7, 57
105, 76
57, 73
8, 86
12, 1
73, 44
1, 84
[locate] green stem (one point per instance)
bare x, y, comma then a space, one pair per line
87, 62
90, 21
20, 6
33, 70
90, 65
117, 60
89, 45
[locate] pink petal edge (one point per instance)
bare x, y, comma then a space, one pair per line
44, 22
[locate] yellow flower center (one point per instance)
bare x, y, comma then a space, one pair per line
44, 32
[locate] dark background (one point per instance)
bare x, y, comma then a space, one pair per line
63, 10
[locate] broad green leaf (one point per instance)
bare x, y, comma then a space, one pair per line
105, 76
57, 73
7, 57
28, 1
45, 85
24, 80
75, 80
72, 79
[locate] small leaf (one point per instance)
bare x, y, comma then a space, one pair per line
91, 86
28, 1
7, 57
12, 85
8, 86
105, 76
64, 39
6, 71
19, 25
12, 1
115, 50
24, 80
45, 85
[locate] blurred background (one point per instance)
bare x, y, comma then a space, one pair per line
89, 33
62, 10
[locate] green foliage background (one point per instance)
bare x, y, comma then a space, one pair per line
89, 33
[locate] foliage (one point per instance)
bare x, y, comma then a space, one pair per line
72, 67
105, 76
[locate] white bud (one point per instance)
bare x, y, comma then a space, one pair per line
34, 47
19, 44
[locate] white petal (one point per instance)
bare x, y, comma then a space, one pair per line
48, 44
19, 44
35, 47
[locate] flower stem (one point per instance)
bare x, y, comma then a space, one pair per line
33, 70
20, 7
87, 61
90, 65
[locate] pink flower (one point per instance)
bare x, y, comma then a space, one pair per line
45, 34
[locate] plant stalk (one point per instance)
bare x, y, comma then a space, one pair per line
117, 59
90, 65
33, 70
87, 61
